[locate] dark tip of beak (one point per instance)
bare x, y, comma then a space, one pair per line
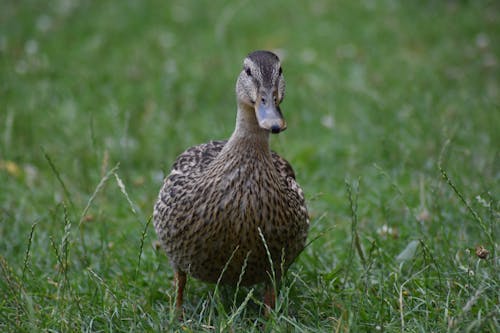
275, 129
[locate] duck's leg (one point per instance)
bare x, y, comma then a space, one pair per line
180, 282
272, 287
269, 299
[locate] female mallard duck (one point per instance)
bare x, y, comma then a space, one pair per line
230, 208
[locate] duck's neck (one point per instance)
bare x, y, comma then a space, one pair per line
247, 151
247, 132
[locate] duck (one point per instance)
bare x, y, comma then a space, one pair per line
231, 211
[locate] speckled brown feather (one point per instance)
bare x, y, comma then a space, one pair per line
201, 219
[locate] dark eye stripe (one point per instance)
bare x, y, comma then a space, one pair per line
280, 71
248, 71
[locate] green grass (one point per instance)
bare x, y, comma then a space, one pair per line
393, 113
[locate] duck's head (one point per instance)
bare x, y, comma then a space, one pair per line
261, 87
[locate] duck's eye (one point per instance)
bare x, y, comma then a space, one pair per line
248, 71
280, 71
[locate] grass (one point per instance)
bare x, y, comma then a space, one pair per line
393, 113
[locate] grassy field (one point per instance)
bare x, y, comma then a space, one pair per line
393, 111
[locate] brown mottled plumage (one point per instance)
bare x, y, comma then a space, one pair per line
222, 199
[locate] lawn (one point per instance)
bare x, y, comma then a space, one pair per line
393, 111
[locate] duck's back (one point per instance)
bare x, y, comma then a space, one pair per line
210, 222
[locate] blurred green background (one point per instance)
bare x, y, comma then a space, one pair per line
375, 90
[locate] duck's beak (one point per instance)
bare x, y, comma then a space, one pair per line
269, 115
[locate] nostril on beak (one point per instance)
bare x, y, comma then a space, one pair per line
275, 129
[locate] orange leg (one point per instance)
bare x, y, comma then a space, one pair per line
180, 282
269, 299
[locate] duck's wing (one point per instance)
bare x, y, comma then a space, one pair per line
178, 184
195, 159
287, 174
174, 198
283, 166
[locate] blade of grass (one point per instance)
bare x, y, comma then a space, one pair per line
459, 194
141, 247
58, 176
28, 249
